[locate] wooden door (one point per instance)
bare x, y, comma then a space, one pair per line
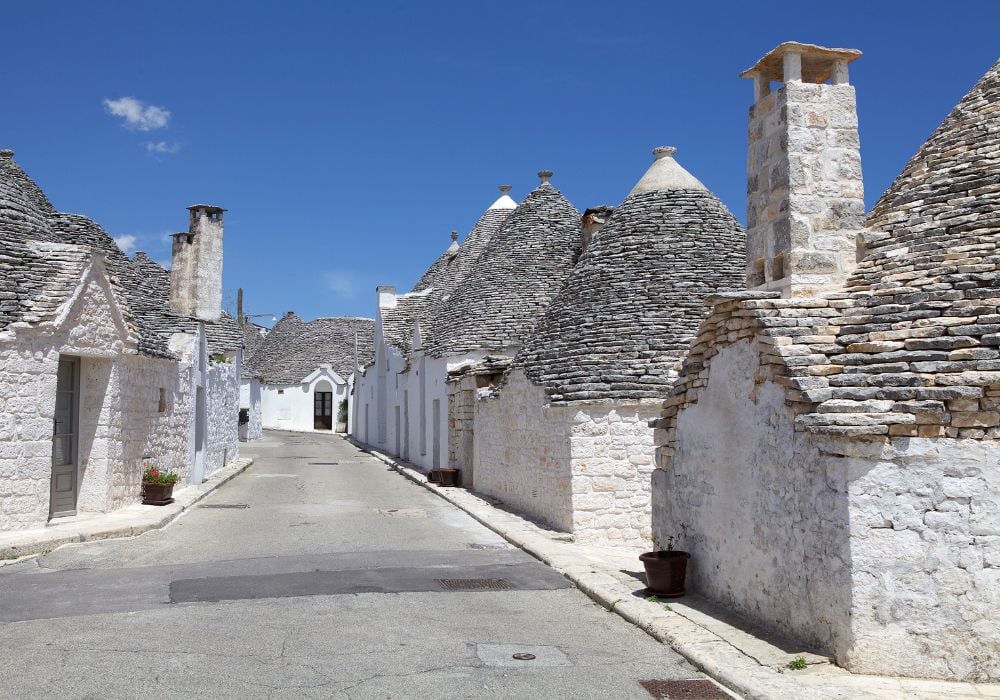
65, 458
323, 410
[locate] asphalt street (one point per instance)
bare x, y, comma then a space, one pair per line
317, 573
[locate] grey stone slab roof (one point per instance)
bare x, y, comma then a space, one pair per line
521, 268
27, 216
911, 347
632, 304
293, 349
440, 280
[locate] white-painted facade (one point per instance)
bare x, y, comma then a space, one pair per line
250, 399
291, 406
581, 468
134, 411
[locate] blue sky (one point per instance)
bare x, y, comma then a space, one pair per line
348, 139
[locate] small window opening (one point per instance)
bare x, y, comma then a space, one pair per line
280, 392
162, 405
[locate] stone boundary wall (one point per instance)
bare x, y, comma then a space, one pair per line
222, 405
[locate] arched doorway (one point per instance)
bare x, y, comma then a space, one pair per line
323, 406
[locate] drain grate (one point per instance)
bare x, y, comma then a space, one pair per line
474, 584
691, 689
324, 464
225, 505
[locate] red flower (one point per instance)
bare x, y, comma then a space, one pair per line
153, 472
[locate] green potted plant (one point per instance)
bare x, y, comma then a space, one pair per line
666, 569
342, 416
158, 487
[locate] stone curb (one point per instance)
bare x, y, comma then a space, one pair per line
127, 522
708, 652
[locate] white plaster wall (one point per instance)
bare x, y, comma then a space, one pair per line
250, 400
753, 507
222, 400
120, 421
884, 553
522, 453
293, 409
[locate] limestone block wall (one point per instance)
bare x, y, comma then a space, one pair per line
461, 427
581, 468
611, 450
222, 398
805, 194
882, 551
522, 453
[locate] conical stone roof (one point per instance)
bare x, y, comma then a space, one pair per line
515, 278
634, 301
947, 195
293, 349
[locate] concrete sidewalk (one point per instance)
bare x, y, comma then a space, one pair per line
717, 642
126, 522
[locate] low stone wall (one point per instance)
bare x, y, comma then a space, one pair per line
522, 453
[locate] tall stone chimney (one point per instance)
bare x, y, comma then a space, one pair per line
592, 221
386, 295
805, 197
196, 265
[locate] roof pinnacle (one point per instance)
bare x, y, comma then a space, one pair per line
544, 176
453, 248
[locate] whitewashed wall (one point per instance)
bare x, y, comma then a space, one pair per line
884, 552
250, 400
584, 468
293, 408
523, 454
222, 393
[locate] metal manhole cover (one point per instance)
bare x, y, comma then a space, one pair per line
474, 584
523, 656
225, 505
691, 689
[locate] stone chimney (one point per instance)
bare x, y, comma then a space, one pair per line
386, 294
592, 221
196, 265
805, 197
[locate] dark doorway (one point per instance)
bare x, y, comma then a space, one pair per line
323, 410
65, 427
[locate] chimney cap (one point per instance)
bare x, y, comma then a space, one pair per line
206, 207
817, 62
544, 175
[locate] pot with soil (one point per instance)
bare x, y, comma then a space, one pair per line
665, 571
158, 487
449, 477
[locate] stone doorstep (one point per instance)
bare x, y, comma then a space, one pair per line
713, 640
125, 522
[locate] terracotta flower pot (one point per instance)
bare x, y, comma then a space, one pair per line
665, 572
434, 476
157, 494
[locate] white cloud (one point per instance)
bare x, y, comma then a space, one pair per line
127, 243
138, 115
161, 147
341, 284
